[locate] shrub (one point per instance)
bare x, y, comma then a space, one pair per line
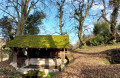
35, 73
114, 56
41, 74
6, 73
106, 61
50, 75
7, 51
102, 34
98, 40
101, 28
69, 58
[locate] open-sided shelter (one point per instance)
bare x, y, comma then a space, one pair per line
40, 46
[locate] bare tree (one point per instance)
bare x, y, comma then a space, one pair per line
115, 4
81, 9
18, 10
21, 9
60, 5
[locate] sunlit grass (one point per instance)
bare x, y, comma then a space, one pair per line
106, 61
98, 48
4, 59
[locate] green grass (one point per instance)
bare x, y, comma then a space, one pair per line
106, 61
98, 48
50, 75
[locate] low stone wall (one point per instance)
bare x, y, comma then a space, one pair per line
40, 63
45, 61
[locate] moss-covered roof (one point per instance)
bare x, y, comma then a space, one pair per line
40, 41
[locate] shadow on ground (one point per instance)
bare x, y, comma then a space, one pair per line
89, 65
108, 71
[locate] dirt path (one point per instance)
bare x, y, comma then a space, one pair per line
74, 69
88, 65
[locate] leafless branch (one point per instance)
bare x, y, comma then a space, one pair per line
16, 8
106, 19
7, 13
31, 7
17, 2
76, 18
88, 8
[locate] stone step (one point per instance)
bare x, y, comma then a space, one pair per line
42, 67
25, 70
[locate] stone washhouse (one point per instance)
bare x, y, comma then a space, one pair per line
39, 52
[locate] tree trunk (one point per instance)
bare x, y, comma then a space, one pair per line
61, 26
19, 32
114, 33
24, 15
60, 9
20, 29
113, 20
82, 43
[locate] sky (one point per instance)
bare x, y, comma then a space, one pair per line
50, 24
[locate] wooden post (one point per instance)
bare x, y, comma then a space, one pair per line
14, 62
15, 57
63, 56
1, 56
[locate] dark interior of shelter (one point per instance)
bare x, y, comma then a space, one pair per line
42, 53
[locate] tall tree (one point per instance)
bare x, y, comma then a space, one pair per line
60, 5
81, 9
21, 9
33, 22
18, 10
8, 27
115, 4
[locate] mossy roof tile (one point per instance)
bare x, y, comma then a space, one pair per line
40, 41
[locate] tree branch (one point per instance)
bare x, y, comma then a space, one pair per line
31, 7
16, 2
106, 19
74, 5
88, 8
16, 8
7, 13
104, 13
76, 18
104, 5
